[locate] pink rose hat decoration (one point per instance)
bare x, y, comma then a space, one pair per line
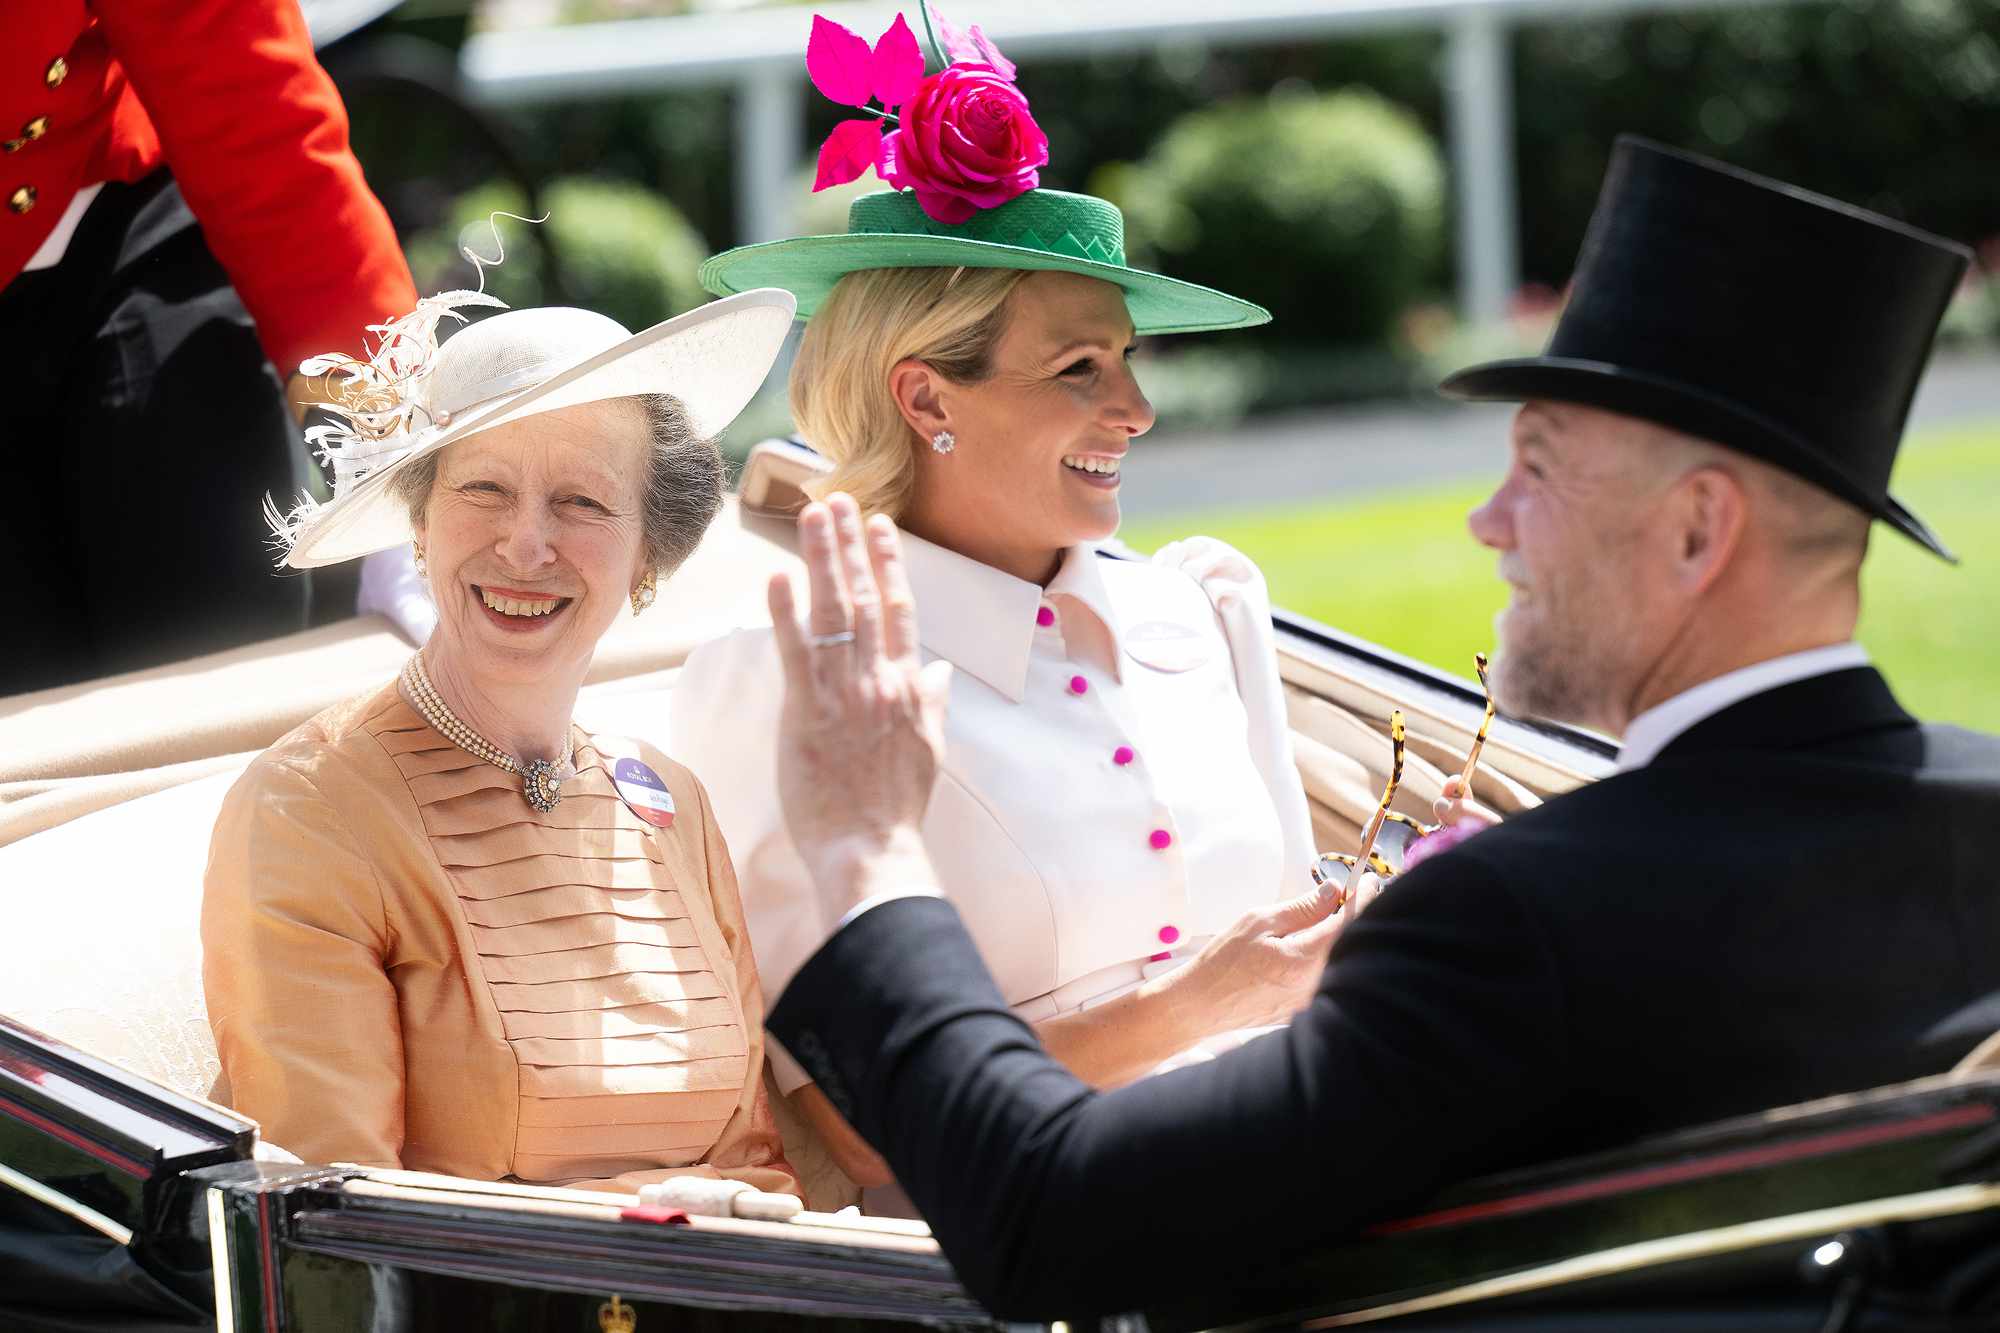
964, 139
967, 142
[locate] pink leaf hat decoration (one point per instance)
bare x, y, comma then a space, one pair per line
839, 63
897, 66
846, 70
852, 148
970, 46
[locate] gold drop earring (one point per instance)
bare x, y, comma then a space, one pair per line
417, 558
643, 595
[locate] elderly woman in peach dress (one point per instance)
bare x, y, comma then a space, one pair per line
445, 928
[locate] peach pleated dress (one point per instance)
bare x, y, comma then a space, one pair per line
407, 965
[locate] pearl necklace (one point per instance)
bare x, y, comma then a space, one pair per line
541, 781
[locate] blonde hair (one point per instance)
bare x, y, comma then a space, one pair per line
951, 319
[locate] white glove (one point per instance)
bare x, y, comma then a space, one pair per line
391, 586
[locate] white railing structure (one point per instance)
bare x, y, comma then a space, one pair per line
760, 53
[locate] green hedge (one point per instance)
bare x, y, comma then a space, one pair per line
1326, 208
620, 249
1891, 104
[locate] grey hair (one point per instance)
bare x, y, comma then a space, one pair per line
683, 491
683, 483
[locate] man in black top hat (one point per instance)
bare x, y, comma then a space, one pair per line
1787, 891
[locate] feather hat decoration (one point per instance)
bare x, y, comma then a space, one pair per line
379, 406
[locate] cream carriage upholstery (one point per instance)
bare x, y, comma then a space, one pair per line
102, 947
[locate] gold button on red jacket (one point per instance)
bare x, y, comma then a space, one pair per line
228, 94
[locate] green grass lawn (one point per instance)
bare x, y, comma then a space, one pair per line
1403, 572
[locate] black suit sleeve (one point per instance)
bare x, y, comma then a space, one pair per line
1433, 1047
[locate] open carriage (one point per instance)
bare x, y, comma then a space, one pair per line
129, 1200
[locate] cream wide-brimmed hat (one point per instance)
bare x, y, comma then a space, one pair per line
415, 396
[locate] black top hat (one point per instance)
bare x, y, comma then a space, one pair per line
1748, 312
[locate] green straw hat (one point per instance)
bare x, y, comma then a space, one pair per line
1040, 230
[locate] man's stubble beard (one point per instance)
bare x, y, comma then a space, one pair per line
1557, 672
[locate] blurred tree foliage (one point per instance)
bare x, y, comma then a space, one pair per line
677, 144
1327, 208
622, 249
1892, 104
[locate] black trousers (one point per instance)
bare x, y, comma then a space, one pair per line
140, 430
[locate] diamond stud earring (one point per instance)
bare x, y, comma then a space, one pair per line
944, 442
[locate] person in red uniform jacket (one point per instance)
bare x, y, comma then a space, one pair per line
179, 212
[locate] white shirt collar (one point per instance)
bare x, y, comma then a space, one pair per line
1658, 727
56, 244
982, 619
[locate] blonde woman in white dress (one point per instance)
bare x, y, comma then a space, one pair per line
1119, 821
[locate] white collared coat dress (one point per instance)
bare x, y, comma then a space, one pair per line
1118, 783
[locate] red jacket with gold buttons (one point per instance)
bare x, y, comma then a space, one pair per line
229, 95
